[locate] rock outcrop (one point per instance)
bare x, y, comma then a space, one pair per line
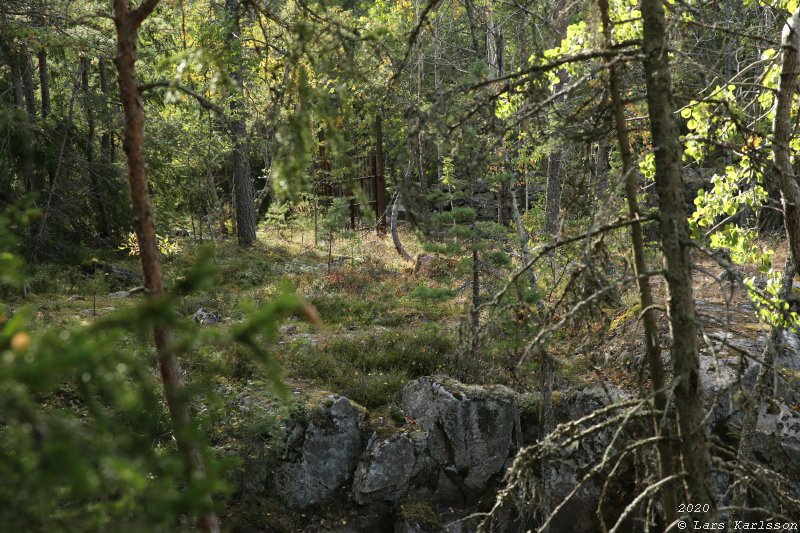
456, 440
469, 432
385, 470
321, 453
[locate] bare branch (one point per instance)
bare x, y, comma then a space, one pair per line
204, 102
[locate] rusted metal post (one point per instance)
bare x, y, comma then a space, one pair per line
353, 212
353, 182
380, 182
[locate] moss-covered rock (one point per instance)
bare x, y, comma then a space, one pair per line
471, 430
418, 516
321, 453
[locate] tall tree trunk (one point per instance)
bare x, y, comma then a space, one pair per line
242, 181
16, 79
601, 172
20, 84
29, 90
104, 222
44, 92
666, 454
677, 268
553, 190
127, 26
552, 210
106, 139
44, 83
437, 84
398, 244
524, 239
421, 170
782, 134
495, 58
473, 26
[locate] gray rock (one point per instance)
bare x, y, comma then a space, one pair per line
322, 453
776, 440
119, 294
385, 470
288, 329
424, 262
471, 431
206, 317
566, 470
406, 526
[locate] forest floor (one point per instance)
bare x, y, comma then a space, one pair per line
383, 324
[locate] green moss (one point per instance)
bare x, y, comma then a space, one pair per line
529, 403
386, 421
373, 390
422, 513
627, 315
371, 368
483, 391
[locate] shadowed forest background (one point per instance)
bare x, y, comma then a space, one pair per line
412, 266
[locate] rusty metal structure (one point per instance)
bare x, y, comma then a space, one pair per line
354, 176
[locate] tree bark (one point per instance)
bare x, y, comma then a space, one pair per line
44, 83
420, 80
242, 181
782, 134
398, 244
553, 195
524, 238
29, 91
28, 88
104, 223
20, 82
106, 139
553, 191
495, 58
666, 454
687, 387
127, 26
473, 26
601, 171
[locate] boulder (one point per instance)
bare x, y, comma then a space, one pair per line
470, 431
385, 470
776, 440
206, 317
321, 453
580, 513
288, 329
114, 274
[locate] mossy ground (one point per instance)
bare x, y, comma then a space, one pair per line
382, 325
